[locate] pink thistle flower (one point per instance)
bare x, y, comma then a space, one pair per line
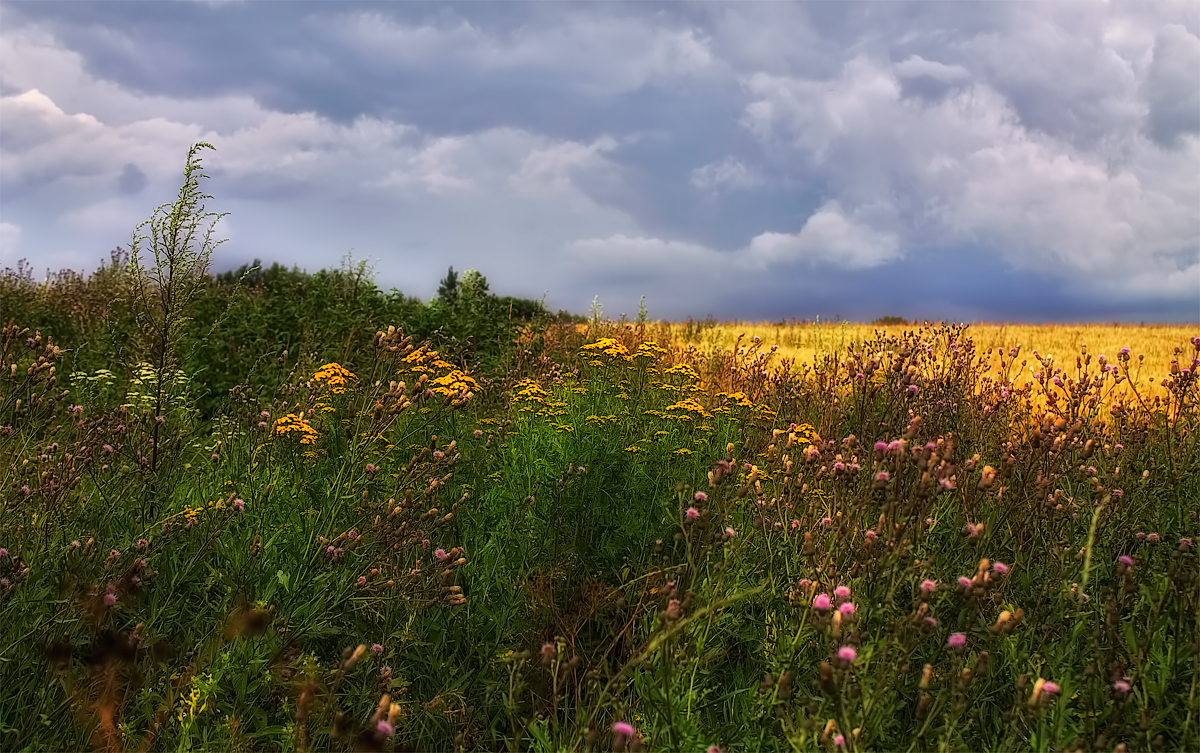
931, 622
1125, 560
624, 729
821, 602
842, 592
999, 568
3, 552
478, 433
239, 505
1121, 687
826, 522
929, 586
384, 727
1050, 687
110, 598
847, 608
438, 454
377, 648
440, 554
693, 513
964, 581
882, 476
701, 497
730, 532
362, 580
805, 583
840, 741
847, 654
1152, 538
957, 641
871, 535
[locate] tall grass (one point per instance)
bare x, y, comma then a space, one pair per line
611, 540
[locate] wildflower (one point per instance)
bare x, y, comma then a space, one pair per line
1185, 544
822, 602
1121, 687
110, 597
438, 454
930, 622
1125, 560
239, 505
929, 586
384, 728
1152, 538
701, 497
826, 522
847, 609
1050, 687
3, 553
842, 592
999, 568
840, 740
730, 532
847, 654
362, 580
624, 729
964, 581
440, 554
805, 583
882, 476
3, 582
377, 648
957, 641
871, 535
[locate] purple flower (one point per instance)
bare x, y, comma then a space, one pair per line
440, 554
957, 641
1125, 560
693, 513
377, 648
929, 586
840, 741
847, 654
847, 608
3, 552
701, 497
384, 727
826, 522
239, 505
999, 568
841, 592
1152, 538
110, 598
964, 581
1050, 687
821, 602
625, 729
1121, 687
882, 476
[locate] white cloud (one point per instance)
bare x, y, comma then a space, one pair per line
828, 236
728, 173
966, 170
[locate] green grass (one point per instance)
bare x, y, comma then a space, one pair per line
589, 532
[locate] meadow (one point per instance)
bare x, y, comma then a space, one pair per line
536, 534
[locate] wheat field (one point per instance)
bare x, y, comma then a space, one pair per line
1152, 347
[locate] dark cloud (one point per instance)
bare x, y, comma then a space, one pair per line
132, 180
1172, 88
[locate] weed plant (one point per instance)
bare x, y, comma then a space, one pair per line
607, 541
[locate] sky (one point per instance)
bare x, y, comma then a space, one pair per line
966, 161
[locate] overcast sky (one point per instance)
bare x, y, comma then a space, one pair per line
967, 161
